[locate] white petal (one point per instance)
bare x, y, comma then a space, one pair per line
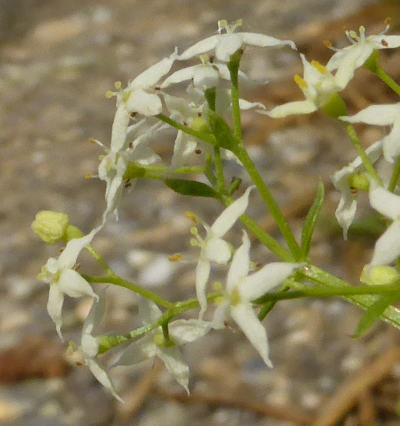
89, 345
387, 248
54, 307
346, 211
144, 103
385, 202
202, 274
138, 351
231, 214
179, 76
71, 252
96, 314
354, 58
149, 312
72, 284
179, 107
186, 331
247, 320
152, 75
391, 143
246, 105
227, 45
202, 46
266, 278
262, 40
141, 152
221, 314
381, 115
184, 148
217, 250
102, 377
205, 77
385, 41
297, 107
240, 264
119, 128
175, 364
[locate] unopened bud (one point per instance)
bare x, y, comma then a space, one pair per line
50, 226
380, 275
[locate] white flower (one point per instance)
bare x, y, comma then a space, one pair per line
213, 248
63, 279
90, 345
387, 248
382, 115
348, 59
128, 144
227, 44
154, 343
318, 86
140, 95
242, 289
347, 207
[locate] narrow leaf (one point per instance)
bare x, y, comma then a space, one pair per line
190, 187
312, 219
374, 312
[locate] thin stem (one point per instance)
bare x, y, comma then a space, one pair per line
233, 67
387, 80
361, 152
270, 202
132, 287
324, 279
221, 184
267, 308
330, 292
101, 261
179, 171
202, 136
395, 176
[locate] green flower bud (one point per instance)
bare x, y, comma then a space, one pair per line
335, 107
380, 275
50, 226
200, 125
359, 181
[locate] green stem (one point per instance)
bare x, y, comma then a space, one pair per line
132, 287
395, 176
221, 184
179, 171
233, 67
270, 202
202, 136
322, 278
330, 292
101, 261
387, 80
267, 308
110, 342
361, 152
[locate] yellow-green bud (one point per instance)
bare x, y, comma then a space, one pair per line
359, 181
200, 125
380, 275
50, 226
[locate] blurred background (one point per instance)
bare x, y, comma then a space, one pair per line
57, 60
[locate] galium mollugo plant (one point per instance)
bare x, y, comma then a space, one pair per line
207, 120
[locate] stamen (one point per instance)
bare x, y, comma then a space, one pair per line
300, 82
97, 142
118, 85
319, 67
191, 216
177, 257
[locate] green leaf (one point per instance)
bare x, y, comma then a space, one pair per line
374, 312
222, 132
312, 219
190, 187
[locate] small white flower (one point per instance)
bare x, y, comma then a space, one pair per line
348, 59
128, 144
318, 85
63, 279
227, 44
347, 207
242, 289
382, 115
154, 343
90, 345
387, 248
213, 248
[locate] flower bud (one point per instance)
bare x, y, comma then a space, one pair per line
359, 181
50, 226
380, 275
200, 125
72, 232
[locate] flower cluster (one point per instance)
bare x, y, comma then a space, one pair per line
145, 108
